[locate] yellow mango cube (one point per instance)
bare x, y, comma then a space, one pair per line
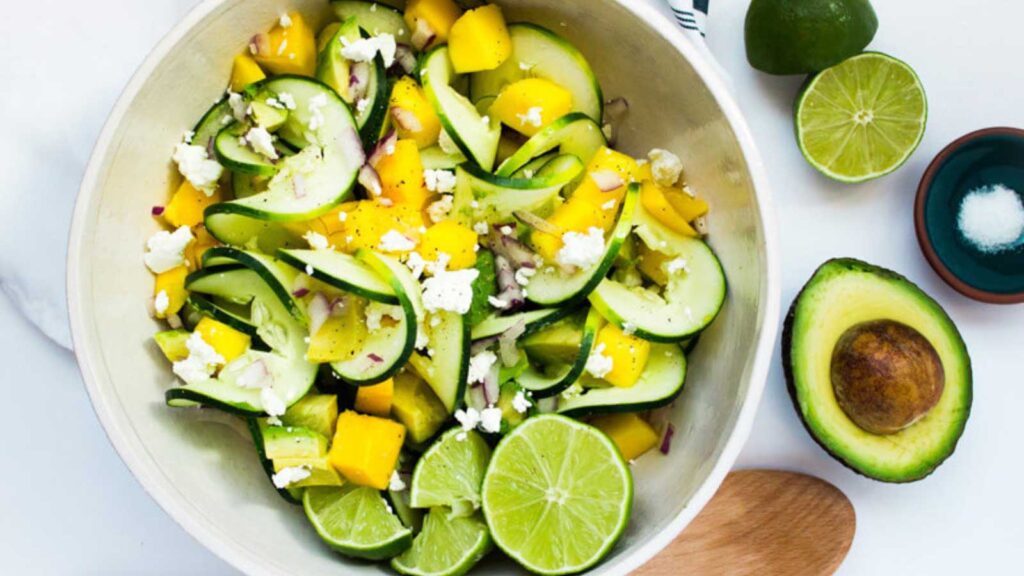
365, 449
368, 221
188, 204
245, 71
408, 98
611, 161
576, 215
334, 221
227, 341
654, 202
629, 355
401, 175
195, 250
287, 49
417, 407
632, 434
431, 18
527, 106
376, 400
172, 285
687, 206
479, 40
453, 239
341, 337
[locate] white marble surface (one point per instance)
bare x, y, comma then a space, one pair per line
70, 507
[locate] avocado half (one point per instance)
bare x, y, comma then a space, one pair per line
846, 294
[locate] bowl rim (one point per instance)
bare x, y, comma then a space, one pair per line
134, 454
924, 239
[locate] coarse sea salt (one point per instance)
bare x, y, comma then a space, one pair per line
991, 218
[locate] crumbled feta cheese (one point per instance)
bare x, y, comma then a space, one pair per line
461, 436
422, 339
166, 250
677, 265
395, 241
288, 476
447, 144
468, 418
609, 205
342, 216
396, 484
309, 269
486, 120
528, 173
316, 114
440, 181
253, 376
272, 403
416, 264
599, 364
197, 167
438, 211
274, 103
506, 230
628, 328
316, 240
481, 228
386, 202
285, 21
581, 250
533, 117
666, 168
201, 363
287, 100
362, 103
239, 109
376, 312
365, 49
451, 291
525, 66
161, 302
480, 365
262, 142
490, 420
520, 403
497, 303
187, 138
523, 275
573, 391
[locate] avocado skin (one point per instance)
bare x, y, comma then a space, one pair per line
853, 264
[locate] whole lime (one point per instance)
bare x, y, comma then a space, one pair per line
805, 36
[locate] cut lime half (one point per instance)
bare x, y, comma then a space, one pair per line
356, 521
450, 473
557, 495
861, 119
447, 546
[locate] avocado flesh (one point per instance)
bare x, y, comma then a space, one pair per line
559, 344
843, 294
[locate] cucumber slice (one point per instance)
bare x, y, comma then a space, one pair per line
244, 185
434, 158
447, 370
551, 286
236, 155
373, 17
476, 136
689, 303
531, 167
659, 385
291, 495
543, 385
343, 271
308, 184
481, 197
334, 70
278, 276
211, 309
575, 134
240, 230
540, 53
535, 321
215, 119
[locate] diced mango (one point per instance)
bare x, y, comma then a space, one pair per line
340, 337
631, 433
527, 106
195, 250
172, 283
287, 50
428, 18
687, 206
453, 239
607, 160
376, 400
654, 202
187, 205
479, 40
244, 72
333, 222
401, 175
365, 449
574, 216
628, 353
321, 473
368, 221
652, 264
227, 341
407, 97
417, 407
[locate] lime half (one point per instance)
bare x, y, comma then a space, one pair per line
861, 119
450, 473
356, 521
447, 546
557, 495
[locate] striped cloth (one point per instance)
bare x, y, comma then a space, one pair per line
692, 15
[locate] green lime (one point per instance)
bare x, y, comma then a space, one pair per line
804, 36
356, 521
557, 495
450, 473
861, 119
448, 546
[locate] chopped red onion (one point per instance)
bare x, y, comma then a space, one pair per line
537, 223
337, 306
490, 386
666, 443
174, 321
509, 291
615, 112
507, 350
352, 146
509, 247
547, 405
370, 180
607, 180
406, 58
358, 80
383, 148
299, 184
422, 34
475, 397
406, 120
374, 358
319, 310
255, 375
301, 293
157, 210
260, 45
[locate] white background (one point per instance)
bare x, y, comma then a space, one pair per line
69, 506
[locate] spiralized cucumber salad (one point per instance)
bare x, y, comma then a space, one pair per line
406, 252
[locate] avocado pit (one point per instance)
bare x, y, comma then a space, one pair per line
886, 376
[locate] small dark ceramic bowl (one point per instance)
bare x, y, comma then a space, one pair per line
982, 158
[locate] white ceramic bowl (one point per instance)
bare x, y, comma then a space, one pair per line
207, 477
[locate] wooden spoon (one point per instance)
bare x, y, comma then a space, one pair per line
763, 522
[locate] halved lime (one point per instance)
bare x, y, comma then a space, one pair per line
557, 495
356, 521
450, 473
447, 546
861, 119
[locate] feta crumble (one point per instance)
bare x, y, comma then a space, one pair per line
609, 205
395, 241
396, 484
285, 21
581, 250
505, 230
480, 365
440, 181
201, 363
316, 114
197, 167
628, 328
599, 364
666, 168
481, 228
363, 103
490, 420
365, 49
416, 264
523, 275
438, 211
316, 240
238, 107
288, 476
497, 303
520, 403
677, 265
533, 117
272, 403
451, 291
287, 100
166, 250
376, 312
261, 141
468, 418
